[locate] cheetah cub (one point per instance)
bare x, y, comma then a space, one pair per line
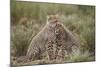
56, 48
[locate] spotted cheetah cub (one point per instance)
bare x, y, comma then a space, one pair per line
56, 48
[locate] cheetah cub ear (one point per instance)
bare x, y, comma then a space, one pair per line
53, 18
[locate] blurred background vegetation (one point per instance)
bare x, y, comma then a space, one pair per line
28, 18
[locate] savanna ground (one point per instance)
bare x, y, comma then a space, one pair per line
28, 18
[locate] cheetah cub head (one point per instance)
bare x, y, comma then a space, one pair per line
53, 19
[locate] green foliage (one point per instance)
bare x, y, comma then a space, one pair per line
84, 26
78, 56
21, 36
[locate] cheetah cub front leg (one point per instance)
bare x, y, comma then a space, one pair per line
50, 50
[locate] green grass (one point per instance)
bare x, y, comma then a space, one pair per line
78, 56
